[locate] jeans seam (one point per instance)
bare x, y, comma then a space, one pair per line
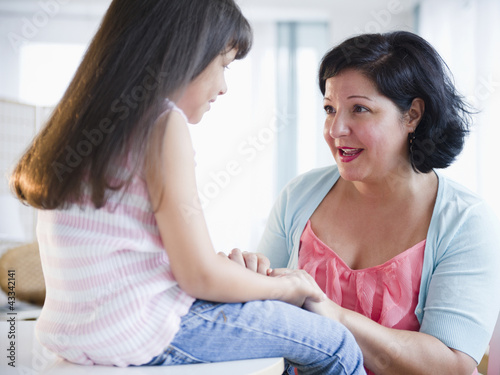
197, 311
340, 362
187, 355
251, 329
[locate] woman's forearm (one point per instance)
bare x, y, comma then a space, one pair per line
391, 351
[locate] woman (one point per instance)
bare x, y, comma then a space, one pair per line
408, 258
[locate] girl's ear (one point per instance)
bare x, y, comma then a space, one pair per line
414, 114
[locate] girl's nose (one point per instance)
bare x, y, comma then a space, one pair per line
223, 88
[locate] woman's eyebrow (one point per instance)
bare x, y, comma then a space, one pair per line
359, 96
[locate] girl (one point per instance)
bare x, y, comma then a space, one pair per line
127, 275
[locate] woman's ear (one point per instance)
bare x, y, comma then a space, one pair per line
414, 114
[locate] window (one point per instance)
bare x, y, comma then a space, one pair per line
467, 34
300, 143
257, 137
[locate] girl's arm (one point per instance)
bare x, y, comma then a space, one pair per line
197, 268
391, 351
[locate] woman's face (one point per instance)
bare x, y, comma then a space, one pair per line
364, 129
205, 88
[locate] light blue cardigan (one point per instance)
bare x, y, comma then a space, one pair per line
459, 298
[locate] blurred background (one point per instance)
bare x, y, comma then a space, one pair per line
268, 128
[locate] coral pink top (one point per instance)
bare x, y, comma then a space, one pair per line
387, 294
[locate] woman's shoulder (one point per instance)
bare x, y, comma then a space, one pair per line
460, 210
313, 178
306, 190
453, 194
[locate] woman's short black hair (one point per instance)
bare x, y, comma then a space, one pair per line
404, 66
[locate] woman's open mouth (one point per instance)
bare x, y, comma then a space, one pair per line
348, 154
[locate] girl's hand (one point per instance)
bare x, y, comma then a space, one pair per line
253, 261
303, 289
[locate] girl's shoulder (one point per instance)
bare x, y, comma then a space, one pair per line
171, 106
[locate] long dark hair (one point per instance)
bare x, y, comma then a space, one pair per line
144, 51
404, 66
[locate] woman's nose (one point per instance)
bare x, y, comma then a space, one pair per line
336, 126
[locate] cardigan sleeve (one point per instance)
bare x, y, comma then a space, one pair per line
273, 243
463, 296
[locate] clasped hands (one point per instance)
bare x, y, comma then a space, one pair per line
316, 302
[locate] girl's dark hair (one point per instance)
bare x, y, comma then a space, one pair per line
404, 66
144, 51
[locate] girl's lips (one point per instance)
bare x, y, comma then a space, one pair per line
348, 154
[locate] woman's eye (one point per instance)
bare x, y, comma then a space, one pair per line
359, 108
329, 109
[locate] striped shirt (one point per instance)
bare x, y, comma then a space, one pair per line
111, 297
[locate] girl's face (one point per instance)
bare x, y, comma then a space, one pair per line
205, 88
364, 129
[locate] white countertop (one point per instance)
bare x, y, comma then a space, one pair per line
32, 358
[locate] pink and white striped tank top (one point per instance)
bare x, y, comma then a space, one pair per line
111, 296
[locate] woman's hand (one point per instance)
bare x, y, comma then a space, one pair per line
326, 308
393, 351
253, 261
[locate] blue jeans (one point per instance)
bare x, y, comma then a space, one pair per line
214, 332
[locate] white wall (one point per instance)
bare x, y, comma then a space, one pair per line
346, 18
48, 21
75, 21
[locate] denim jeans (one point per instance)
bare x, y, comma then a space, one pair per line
214, 332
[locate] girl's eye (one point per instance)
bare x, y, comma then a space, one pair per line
329, 109
359, 109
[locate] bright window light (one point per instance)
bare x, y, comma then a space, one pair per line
46, 71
